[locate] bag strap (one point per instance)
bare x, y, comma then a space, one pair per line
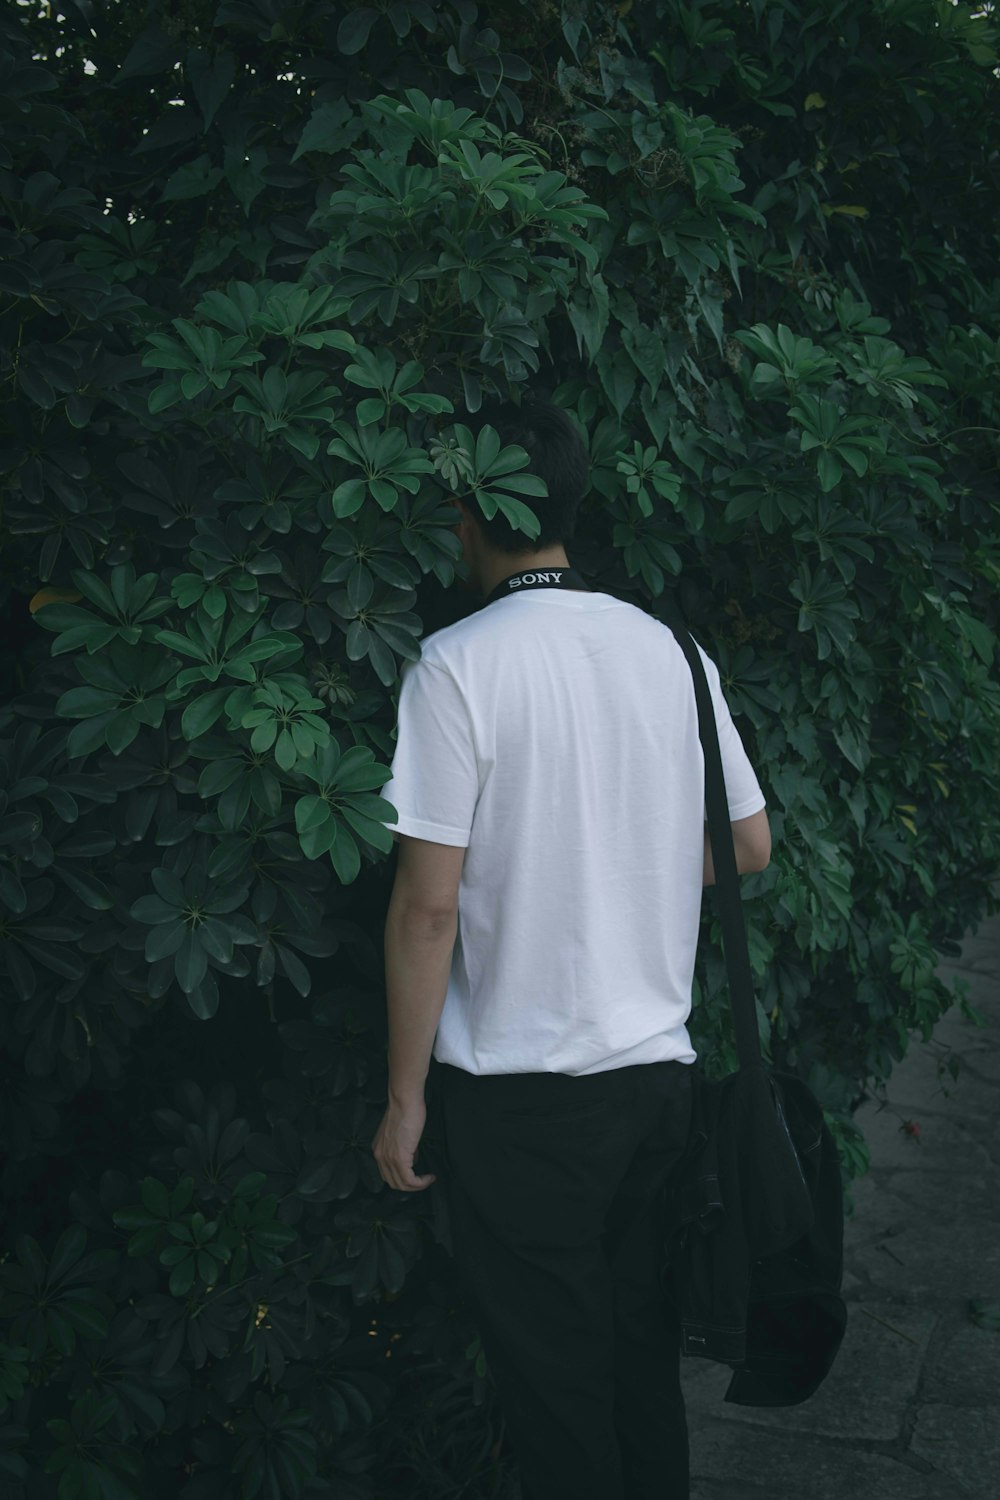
729, 906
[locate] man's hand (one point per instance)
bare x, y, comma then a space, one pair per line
395, 1146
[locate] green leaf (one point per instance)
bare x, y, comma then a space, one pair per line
284, 751
181, 1196
357, 770
61, 1332
153, 909
192, 384
305, 738
204, 999
381, 658
358, 637
190, 963
367, 805
208, 1267
182, 643
193, 180
244, 169
202, 712
295, 969
133, 1218
80, 625
167, 353
306, 443
330, 128
264, 736
182, 1277
345, 857
91, 891
84, 1317
155, 1197
384, 492
375, 832
122, 730
62, 960
153, 52
250, 1185
215, 938
163, 940
168, 885
371, 409
315, 842
29, 1253
360, 587
353, 31
211, 78
275, 1236
89, 735
348, 497
311, 812
69, 1247
215, 602
97, 592
165, 395
397, 638
266, 647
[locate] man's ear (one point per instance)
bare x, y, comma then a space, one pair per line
462, 516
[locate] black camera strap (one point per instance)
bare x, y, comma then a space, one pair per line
540, 578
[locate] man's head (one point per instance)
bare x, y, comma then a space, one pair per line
491, 548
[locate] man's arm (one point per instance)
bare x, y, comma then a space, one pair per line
418, 954
421, 927
751, 842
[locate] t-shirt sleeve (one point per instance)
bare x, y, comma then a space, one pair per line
435, 773
743, 791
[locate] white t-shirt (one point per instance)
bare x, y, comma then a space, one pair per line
554, 735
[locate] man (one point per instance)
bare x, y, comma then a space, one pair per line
548, 778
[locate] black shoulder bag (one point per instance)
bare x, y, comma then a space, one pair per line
752, 1215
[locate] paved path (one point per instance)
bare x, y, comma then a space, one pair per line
911, 1408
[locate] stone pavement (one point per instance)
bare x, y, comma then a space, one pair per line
911, 1408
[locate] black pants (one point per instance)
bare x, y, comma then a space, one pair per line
552, 1185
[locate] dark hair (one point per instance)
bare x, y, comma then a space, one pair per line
556, 453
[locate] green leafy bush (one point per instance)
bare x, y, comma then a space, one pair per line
263, 263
